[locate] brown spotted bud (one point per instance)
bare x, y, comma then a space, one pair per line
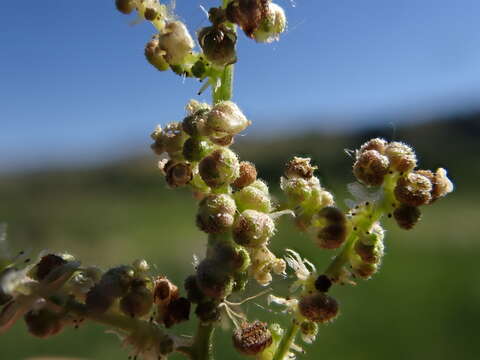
178, 174
164, 291
150, 14
299, 168
46, 264
98, 300
297, 189
213, 279
248, 14
413, 190
137, 302
364, 270
43, 323
220, 168
323, 283
196, 149
441, 184
248, 174
155, 55
216, 213
125, 6
234, 257
407, 216
208, 312
371, 254
194, 293
176, 42
332, 215
178, 310
116, 281
253, 229
402, 157
196, 124
226, 118
252, 338
331, 236
170, 139
218, 44
252, 198
376, 144
273, 23
318, 307
371, 167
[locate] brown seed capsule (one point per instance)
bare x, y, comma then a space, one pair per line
407, 216
248, 174
218, 44
318, 307
253, 229
125, 6
441, 184
194, 293
402, 157
216, 213
323, 283
43, 323
155, 55
208, 312
413, 190
299, 168
98, 300
164, 291
150, 14
137, 302
252, 338
333, 215
179, 174
377, 144
332, 236
365, 270
248, 14
371, 167
219, 168
371, 254
46, 264
178, 310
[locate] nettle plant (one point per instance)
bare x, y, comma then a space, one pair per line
236, 212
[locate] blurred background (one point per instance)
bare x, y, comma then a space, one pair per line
78, 102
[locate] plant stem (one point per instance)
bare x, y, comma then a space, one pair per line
202, 348
224, 91
287, 341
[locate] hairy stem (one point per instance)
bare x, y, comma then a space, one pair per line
287, 342
202, 348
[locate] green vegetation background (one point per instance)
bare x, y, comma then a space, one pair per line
424, 303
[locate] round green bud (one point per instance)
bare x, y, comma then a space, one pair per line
216, 213
371, 167
272, 24
234, 257
176, 42
178, 174
413, 190
248, 174
218, 44
407, 216
318, 307
373, 236
252, 198
260, 185
253, 229
402, 157
297, 189
252, 338
116, 281
199, 69
137, 302
125, 6
196, 149
309, 331
226, 118
213, 279
196, 124
371, 254
299, 168
155, 55
43, 323
220, 168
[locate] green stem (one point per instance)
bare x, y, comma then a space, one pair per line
287, 342
224, 91
202, 348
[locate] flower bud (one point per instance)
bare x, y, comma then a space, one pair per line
371, 167
165, 291
252, 198
196, 149
402, 157
323, 283
376, 144
309, 331
213, 279
98, 300
176, 42
219, 168
226, 118
116, 281
248, 14
297, 189
196, 124
218, 44
208, 312
178, 174
441, 184
150, 14
260, 185
241, 281
248, 174
178, 310
43, 323
371, 254
222, 140
373, 236
407, 216
125, 6
272, 25
252, 338
332, 215
155, 55
299, 168
413, 190
137, 302
332, 236
46, 264
199, 69
364, 270
216, 213
170, 139
194, 294
253, 229
318, 307
234, 257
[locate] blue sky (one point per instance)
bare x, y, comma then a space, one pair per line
74, 85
